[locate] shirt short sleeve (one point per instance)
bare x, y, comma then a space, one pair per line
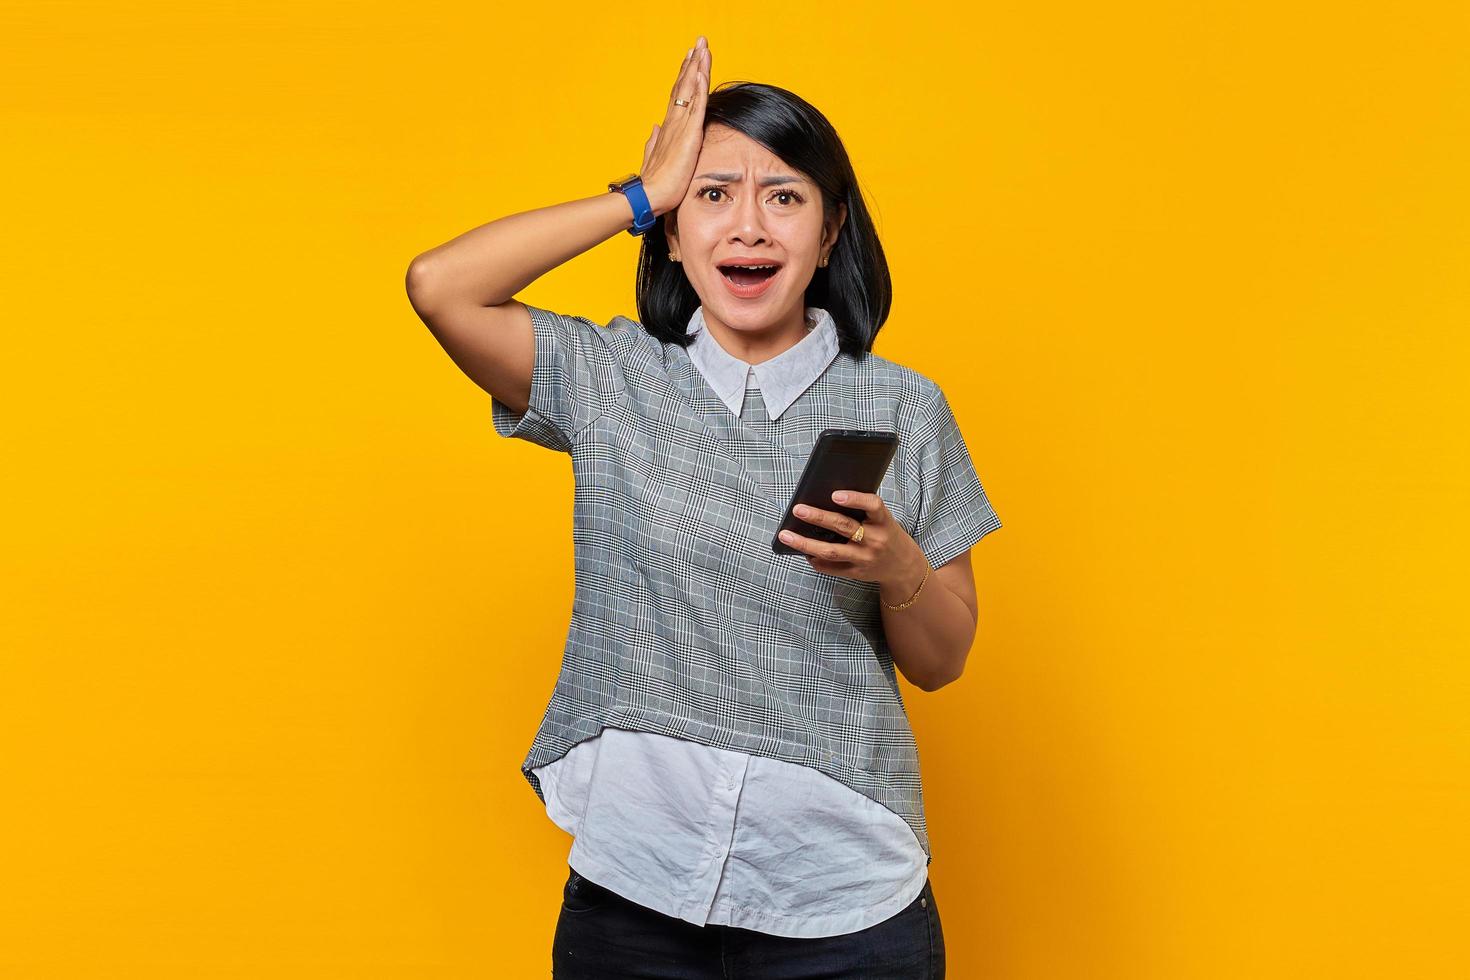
953, 511
576, 374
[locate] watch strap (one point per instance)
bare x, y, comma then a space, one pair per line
643, 216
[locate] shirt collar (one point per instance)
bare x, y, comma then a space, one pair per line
781, 380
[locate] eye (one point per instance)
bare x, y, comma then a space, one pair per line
704, 191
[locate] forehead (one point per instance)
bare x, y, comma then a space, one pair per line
729, 150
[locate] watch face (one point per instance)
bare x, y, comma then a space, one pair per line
624, 181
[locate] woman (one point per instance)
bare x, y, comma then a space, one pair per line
726, 741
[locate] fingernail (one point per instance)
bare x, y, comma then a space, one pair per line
688, 53
839, 496
787, 536
802, 510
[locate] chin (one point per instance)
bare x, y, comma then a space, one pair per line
750, 315
751, 321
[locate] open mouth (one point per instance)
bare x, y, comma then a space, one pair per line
746, 276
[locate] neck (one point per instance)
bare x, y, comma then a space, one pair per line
756, 346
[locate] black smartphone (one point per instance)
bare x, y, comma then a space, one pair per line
842, 459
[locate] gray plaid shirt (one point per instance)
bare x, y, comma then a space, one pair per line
684, 621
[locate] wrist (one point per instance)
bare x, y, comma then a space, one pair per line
903, 584
634, 194
659, 201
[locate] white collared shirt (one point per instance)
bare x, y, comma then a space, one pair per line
781, 379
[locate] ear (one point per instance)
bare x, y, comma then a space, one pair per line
837, 225
671, 228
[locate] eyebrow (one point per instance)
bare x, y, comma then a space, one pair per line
763, 182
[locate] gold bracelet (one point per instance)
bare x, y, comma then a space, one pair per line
904, 605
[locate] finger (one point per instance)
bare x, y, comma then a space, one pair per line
690, 58
686, 89
701, 57
698, 97
680, 114
699, 67
693, 89
870, 502
825, 550
840, 523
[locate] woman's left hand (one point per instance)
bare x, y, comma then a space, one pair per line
885, 553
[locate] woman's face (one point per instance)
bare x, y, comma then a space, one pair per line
728, 214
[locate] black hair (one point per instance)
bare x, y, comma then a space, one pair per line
854, 285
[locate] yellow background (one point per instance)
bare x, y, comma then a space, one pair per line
283, 612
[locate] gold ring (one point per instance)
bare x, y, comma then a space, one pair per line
858, 536
681, 102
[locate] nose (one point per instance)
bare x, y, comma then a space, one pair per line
749, 220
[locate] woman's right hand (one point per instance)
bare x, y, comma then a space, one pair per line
672, 152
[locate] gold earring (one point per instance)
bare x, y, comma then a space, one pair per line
823, 263
672, 257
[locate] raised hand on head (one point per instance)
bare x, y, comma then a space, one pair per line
671, 153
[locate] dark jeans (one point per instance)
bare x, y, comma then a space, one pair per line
603, 935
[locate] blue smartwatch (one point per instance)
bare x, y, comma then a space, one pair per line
632, 188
